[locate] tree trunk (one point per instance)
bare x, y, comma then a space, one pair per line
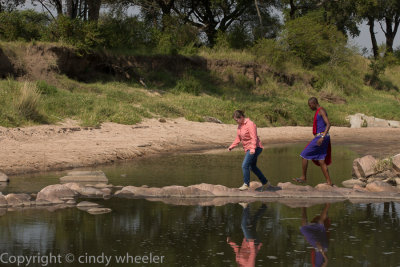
390, 34
375, 50
58, 4
94, 9
211, 35
293, 9
72, 8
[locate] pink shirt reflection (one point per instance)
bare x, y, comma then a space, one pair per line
246, 254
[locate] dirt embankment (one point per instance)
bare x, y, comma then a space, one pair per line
41, 62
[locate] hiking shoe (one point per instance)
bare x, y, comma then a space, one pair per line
244, 187
264, 187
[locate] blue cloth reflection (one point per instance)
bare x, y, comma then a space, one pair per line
316, 234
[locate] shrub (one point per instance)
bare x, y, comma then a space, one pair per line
45, 89
269, 50
84, 35
24, 25
27, 103
125, 32
188, 84
313, 40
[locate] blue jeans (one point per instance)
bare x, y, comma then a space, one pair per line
249, 224
250, 163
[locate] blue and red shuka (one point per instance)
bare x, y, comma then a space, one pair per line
314, 152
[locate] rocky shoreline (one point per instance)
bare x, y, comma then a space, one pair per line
71, 194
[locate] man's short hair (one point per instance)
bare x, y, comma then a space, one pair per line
313, 100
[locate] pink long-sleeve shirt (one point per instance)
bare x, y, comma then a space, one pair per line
247, 134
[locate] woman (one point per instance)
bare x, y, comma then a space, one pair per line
247, 134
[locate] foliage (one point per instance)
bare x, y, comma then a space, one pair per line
27, 102
22, 25
83, 35
313, 41
45, 89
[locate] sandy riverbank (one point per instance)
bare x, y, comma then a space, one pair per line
57, 147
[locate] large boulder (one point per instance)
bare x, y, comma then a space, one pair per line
376, 122
56, 194
18, 200
396, 162
364, 167
352, 182
359, 120
380, 186
84, 176
356, 120
3, 177
394, 124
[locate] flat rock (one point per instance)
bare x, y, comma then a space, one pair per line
18, 200
352, 182
56, 194
97, 211
380, 186
3, 177
87, 204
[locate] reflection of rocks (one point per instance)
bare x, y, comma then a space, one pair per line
3, 177
84, 176
97, 211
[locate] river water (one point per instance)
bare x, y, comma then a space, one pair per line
140, 232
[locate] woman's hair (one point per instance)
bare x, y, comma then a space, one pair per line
238, 114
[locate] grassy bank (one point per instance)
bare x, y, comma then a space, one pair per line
197, 94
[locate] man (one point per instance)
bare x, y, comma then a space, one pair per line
319, 149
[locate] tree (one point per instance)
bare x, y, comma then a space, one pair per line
368, 10
389, 12
8, 5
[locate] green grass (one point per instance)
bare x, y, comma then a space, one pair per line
196, 94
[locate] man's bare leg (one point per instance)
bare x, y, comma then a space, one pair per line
303, 178
325, 171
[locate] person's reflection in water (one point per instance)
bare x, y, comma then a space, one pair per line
316, 233
247, 252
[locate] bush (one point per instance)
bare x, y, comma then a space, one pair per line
314, 41
128, 33
45, 89
84, 35
25, 25
269, 50
188, 84
27, 103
